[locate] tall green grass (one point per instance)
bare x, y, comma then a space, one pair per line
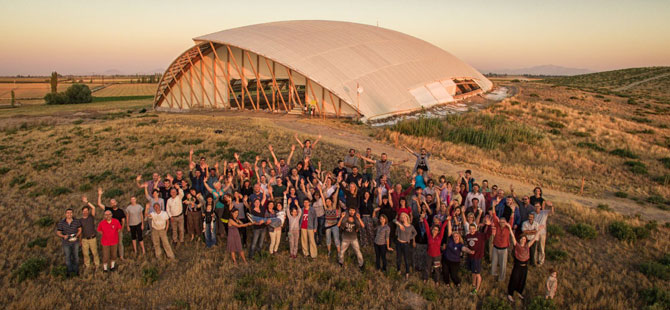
481, 130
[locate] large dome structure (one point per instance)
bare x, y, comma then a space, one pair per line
339, 69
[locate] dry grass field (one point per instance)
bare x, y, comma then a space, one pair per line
32, 90
51, 155
117, 90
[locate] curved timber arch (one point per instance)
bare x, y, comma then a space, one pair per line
217, 75
337, 69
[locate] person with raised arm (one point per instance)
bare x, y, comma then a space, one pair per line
433, 262
476, 240
541, 217
234, 242
451, 255
282, 166
350, 223
421, 159
383, 165
406, 234
89, 245
219, 206
307, 146
517, 280
332, 216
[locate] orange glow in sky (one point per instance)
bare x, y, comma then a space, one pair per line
81, 37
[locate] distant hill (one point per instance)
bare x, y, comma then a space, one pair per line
544, 70
646, 82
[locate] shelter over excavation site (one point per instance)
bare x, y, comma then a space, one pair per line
338, 68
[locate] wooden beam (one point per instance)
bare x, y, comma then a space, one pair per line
333, 101
213, 78
295, 89
258, 81
202, 84
274, 82
226, 75
242, 78
189, 85
307, 89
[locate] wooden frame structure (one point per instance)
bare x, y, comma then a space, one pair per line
214, 80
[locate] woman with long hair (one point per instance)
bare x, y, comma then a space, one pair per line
517, 280
234, 242
406, 233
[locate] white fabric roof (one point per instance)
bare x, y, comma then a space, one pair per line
387, 64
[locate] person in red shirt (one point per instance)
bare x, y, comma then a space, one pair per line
500, 245
109, 228
475, 241
433, 263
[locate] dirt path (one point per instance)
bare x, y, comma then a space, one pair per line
347, 138
631, 85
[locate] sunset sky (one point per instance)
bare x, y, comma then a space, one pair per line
79, 37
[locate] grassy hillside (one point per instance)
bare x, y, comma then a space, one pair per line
615, 82
48, 162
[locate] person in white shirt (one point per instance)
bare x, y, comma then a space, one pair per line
160, 222
175, 210
530, 229
481, 201
541, 217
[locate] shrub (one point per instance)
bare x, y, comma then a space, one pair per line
40, 242
57, 191
625, 232
78, 93
540, 303
662, 179
112, 192
581, 134
636, 167
626, 153
534, 95
604, 207
149, 275
180, 163
18, 180
55, 98
45, 221
631, 101
555, 230
30, 269
4, 170
555, 124
59, 271
555, 254
665, 161
658, 199
493, 303
591, 145
621, 194
656, 298
583, 230
327, 297
192, 141
555, 131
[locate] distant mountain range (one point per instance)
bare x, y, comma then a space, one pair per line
542, 70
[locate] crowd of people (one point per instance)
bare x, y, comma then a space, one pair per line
433, 225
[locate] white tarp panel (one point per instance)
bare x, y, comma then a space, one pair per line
423, 96
450, 86
439, 92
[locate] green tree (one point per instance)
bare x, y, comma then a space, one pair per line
54, 82
13, 98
